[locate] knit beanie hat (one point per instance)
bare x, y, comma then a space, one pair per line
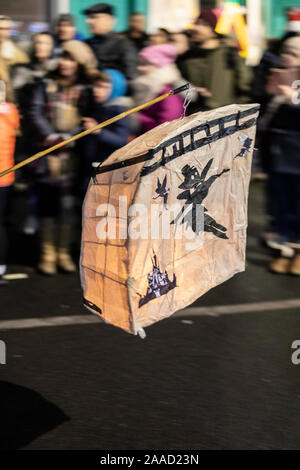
209, 15
99, 8
66, 18
160, 55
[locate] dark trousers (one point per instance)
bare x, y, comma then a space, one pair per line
4, 201
285, 200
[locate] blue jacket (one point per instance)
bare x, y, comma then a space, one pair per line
98, 147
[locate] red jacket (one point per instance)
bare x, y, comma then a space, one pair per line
9, 123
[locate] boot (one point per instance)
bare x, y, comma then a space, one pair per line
280, 265
64, 260
47, 263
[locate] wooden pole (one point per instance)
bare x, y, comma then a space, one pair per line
89, 131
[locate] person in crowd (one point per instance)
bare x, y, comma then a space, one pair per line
104, 100
112, 51
271, 59
282, 156
23, 79
65, 30
10, 54
158, 74
161, 36
136, 32
214, 67
9, 123
54, 115
43, 61
24, 76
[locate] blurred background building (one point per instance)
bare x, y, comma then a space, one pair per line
266, 19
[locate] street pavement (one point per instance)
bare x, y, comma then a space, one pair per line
216, 376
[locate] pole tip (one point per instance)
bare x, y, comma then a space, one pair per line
180, 89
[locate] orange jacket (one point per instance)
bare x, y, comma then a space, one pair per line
9, 123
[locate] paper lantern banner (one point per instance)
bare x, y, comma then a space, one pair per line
165, 218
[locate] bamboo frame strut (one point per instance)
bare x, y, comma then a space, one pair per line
90, 131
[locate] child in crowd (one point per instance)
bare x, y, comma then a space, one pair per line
104, 100
158, 74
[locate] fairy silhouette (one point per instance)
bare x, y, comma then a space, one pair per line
196, 188
162, 190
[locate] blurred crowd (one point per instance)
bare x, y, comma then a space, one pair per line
65, 84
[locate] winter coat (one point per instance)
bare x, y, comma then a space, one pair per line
9, 123
29, 73
281, 142
4, 77
114, 52
147, 87
24, 77
54, 112
95, 148
221, 71
268, 61
10, 55
54, 108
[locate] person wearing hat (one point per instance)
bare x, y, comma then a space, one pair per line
65, 30
213, 66
104, 100
271, 59
158, 74
282, 156
53, 115
111, 50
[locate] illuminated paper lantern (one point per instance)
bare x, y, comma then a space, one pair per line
165, 218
